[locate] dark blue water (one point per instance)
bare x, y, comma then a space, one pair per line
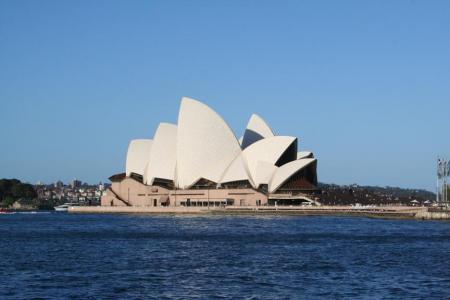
58, 255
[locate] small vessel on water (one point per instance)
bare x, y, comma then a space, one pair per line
5, 211
65, 206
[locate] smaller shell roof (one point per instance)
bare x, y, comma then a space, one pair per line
163, 155
268, 150
237, 171
264, 172
256, 130
304, 154
138, 156
286, 171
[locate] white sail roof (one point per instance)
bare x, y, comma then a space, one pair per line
237, 171
268, 150
304, 154
286, 171
163, 156
256, 130
138, 156
205, 144
264, 172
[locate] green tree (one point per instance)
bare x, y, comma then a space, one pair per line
8, 201
23, 191
12, 190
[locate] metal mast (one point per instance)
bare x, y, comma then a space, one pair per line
446, 174
443, 172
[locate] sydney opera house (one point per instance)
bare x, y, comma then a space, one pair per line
200, 162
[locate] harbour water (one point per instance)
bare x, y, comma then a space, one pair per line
77, 256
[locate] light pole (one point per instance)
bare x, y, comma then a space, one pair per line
446, 174
443, 172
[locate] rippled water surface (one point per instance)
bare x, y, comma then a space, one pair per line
58, 255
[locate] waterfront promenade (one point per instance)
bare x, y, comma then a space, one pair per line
394, 212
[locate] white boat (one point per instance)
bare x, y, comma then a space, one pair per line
65, 206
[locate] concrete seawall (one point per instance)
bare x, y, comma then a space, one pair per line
138, 210
391, 212
433, 215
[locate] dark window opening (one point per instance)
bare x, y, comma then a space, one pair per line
240, 184
137, 177
168, 184
290, 154
203, 183
288, 202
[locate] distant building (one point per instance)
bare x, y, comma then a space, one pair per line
200, 162
59, 184
75, 183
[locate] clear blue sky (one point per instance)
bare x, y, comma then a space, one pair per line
364, 84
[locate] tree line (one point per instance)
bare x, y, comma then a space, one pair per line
12, 190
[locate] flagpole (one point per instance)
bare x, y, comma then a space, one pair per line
437, 190
446, 171
437, 183
444, 182
444, 163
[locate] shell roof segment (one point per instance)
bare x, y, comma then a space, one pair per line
163, 154
138, 155
206, 145
237, 171
264, 172
268, 150
257, 129
286, 171
304, 154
